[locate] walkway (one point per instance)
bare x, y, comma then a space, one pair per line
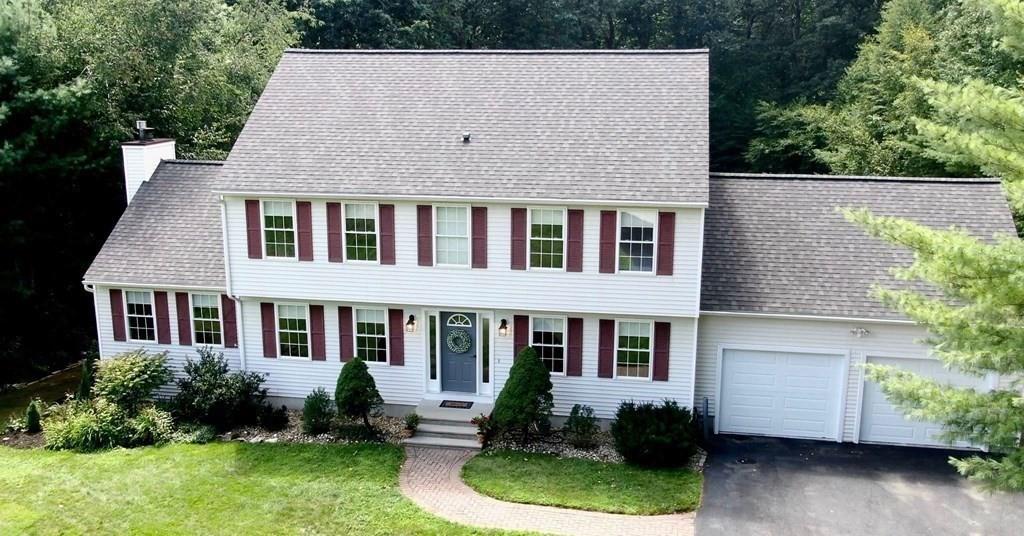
431, 479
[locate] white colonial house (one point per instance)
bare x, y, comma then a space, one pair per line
434, 212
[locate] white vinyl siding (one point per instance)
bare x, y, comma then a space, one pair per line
206, 321
279, 228
361, 232
139, 315
451, 232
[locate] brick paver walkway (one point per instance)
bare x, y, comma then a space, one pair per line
431, 478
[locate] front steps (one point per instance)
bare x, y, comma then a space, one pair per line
447, 427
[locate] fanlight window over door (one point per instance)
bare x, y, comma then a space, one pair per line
459, 320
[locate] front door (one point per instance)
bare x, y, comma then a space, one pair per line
458, 352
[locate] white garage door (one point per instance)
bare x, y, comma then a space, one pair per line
781, 394
882, 423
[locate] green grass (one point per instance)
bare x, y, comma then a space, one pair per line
583, 484
50, 389
219, 488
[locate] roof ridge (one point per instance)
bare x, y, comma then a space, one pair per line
195, 162
498, 52
853, 178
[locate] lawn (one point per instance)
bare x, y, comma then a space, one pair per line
583, 484
50, 389
220, 488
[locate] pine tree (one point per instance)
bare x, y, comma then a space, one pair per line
976, 326
88, 378
525, 401
356, 394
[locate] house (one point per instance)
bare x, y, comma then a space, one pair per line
434, 212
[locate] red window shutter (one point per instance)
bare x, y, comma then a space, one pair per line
117, 314
479, 237
518, 238
254, 228
318, 342
227, 313
345, 328
606, 348
163, 318
666, 241
396, 337
574, 234
662, 340
425, 234
387, 234
269, 330
607, 248
574, 366
304, 222
334, 237
183, 310
520, 333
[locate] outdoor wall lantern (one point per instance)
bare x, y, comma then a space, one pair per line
410, 326
859, 332
503, 328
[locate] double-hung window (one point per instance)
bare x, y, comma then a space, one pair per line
547, 238
361, 232
293, 330
279, 228
140, 317
452, 236
206, 319
633, 350
371, 335
548, 339
636, 241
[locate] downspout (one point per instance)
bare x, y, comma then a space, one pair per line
240, 327
91, 289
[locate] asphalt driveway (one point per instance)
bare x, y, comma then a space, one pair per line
791, 488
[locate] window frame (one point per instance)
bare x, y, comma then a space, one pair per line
192, 319
295, 229
529, 238
344, 230
654, 240
277, 331
127, 324
468, 236
565, 340
387, 336
615, 355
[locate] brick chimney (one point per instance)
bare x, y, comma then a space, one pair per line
141, 157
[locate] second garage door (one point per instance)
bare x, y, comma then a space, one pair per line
784, 394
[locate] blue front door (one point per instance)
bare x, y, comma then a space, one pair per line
458, 352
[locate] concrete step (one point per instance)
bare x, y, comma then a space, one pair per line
457, 421
446, 430
442, 442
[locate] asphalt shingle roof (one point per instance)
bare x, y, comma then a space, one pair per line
576, 125
170, 234
775, 243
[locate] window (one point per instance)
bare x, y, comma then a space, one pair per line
485, 351
452, 236
206, 319
633, 350
361, 232
549, 341
547, 238
433, 347
371, 335
279, 228
636, 242
293, 330
141, 322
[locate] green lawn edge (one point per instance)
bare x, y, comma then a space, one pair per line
547, 480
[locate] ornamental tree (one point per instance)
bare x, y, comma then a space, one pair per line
525, 402
356, 394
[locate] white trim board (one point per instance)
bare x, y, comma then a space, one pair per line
809, 317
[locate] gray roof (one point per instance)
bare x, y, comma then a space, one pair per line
170, 234
775, 243
629, 126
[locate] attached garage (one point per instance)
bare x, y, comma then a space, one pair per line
780, 393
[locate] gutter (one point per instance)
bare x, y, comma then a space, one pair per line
463, 199
810, 317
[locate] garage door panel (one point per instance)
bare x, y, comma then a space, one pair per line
780, 394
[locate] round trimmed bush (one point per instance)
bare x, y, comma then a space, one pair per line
525, 402
356, 395
317, 412
655, 435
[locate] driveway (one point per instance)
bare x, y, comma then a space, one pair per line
791, 487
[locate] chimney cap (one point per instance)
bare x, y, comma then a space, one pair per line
142, 132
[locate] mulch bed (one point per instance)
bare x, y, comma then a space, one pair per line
555, 444
389, 429
22, 440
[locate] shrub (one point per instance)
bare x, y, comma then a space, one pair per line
412, 421
88, 378
484, 425
191, 433
525, 402
86, 425
581, 427
150, 426
655, 435
356, 394
273, 419
317, 412
211, 394
129, 379
32, 418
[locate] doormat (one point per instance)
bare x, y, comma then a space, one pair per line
456, 404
